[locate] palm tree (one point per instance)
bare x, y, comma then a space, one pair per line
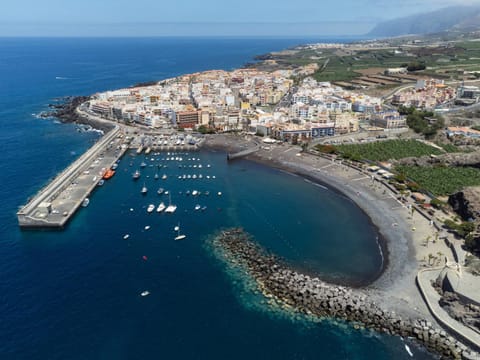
427, 239
430, 258
440, 254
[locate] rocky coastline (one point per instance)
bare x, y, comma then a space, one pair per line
312, 296
66, 111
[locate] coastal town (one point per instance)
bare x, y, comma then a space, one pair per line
268, 104
288, 119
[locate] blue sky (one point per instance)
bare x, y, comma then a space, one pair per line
204, 17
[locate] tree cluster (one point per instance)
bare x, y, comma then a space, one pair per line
422, 121
202, 129
415, 65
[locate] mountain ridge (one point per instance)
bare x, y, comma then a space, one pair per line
462, 18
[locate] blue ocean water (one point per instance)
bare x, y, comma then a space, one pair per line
75, 294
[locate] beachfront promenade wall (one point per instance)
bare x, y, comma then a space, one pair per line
431, 297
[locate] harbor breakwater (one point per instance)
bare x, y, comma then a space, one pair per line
312, 296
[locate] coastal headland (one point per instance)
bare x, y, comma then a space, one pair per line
392, 303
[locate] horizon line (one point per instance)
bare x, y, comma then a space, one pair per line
280, 36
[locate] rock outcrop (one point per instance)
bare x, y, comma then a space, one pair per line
449, 159
466, 203
66, 112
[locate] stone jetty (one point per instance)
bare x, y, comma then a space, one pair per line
313, 296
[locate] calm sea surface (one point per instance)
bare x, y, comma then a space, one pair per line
75, 294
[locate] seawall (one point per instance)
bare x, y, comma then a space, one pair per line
311, 295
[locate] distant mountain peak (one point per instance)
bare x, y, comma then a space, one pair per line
449, 18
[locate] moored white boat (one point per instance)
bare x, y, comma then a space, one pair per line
171, 209
179, 236
150, 208
161, 207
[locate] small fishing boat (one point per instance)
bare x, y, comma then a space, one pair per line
179, 236
161, 207
136, 175
85, 202
108, 174
126, 236
145, 293
150, 208
144, 190
197, 207
170, 208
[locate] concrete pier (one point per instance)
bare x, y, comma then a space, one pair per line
56, 203
243, 152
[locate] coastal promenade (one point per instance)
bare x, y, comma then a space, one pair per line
57, 202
